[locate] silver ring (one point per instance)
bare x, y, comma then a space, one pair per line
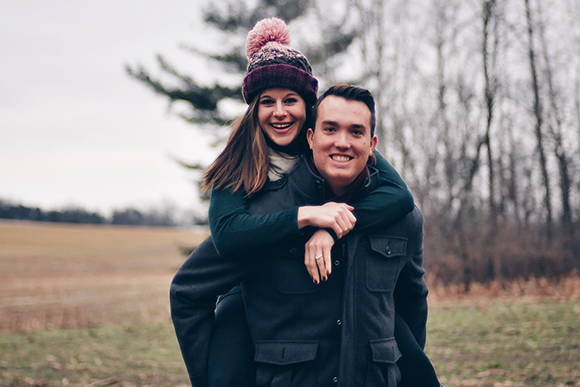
317, 258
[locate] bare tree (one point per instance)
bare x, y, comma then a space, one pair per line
555, 126
488, 61
539, 118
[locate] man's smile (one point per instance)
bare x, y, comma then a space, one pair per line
341, 158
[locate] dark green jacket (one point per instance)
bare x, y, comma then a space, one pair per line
234, 230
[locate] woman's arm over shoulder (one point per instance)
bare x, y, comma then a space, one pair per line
388, 202
237, 232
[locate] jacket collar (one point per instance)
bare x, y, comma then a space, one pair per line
305, 179
360, 186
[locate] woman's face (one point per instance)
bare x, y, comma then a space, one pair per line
281, 114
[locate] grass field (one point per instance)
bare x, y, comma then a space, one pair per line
56, 275
503, 343
87, 305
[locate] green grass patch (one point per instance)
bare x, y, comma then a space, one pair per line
496, 343
506, 343
111, 355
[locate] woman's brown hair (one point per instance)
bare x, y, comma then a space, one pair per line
244, 162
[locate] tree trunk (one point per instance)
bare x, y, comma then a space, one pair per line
539, 121
556, 131
488, 16
513, 191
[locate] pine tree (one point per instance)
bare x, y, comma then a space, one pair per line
231, 20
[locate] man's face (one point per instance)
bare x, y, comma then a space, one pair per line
341, 142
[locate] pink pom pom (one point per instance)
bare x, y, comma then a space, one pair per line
267, 30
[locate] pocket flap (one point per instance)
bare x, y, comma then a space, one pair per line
285, 352
388, 246
385, 350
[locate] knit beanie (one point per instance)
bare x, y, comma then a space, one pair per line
272, 63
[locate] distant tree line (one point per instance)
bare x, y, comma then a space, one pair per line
125, 216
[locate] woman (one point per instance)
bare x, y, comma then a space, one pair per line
264, 145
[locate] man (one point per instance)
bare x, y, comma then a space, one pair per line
339, 332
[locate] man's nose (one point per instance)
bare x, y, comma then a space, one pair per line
341, 141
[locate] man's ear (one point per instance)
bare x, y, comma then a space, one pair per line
374, 142
309, 135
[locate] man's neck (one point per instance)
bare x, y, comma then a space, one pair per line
346, 192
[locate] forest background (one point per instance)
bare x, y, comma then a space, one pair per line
478, 106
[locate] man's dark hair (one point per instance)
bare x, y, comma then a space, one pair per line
349, 92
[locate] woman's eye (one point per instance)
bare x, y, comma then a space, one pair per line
291, 100
266, 102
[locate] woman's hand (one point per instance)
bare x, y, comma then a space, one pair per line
337, 216
317, 255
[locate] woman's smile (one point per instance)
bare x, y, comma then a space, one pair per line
281, 126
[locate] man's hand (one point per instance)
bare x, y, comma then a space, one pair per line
317, 255
337, 216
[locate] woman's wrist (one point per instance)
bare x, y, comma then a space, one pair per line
304, 216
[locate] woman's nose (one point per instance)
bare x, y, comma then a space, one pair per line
280, 112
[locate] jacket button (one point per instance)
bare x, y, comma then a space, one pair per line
335, 379
339, 322
388, 250
337, 262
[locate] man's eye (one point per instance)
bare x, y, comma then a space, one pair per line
329, 129
357, 132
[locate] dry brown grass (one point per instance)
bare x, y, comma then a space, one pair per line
56, 275
524, 290
62, 276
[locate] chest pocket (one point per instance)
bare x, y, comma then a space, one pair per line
384, 261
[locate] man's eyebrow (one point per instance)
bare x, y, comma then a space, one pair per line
328, 122
358, 126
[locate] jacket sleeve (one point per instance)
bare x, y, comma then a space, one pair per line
387, 203
193, 294
411, 289
235, 230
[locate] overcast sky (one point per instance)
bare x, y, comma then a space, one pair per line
74, 128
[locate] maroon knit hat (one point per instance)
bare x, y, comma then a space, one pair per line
272, 63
